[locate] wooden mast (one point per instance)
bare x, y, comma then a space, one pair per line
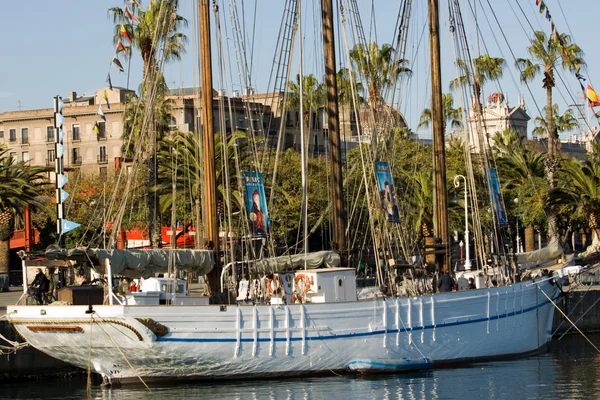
333, 125
440, 195
209, 202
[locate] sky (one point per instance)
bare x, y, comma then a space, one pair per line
55, 47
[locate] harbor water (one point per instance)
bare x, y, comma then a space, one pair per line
570, 369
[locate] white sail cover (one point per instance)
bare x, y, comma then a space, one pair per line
533, 259
313, 260
135, 263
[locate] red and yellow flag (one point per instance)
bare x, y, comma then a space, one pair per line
123, 32
121, 47
593, 98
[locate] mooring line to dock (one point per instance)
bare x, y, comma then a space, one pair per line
581, 316
14, 346
572, 310
120, 351
565, 315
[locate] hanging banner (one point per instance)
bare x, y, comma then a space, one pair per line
387, 192
256, 203
497, 197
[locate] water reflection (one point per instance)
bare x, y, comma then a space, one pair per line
571, 369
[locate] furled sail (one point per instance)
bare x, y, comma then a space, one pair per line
313, 260
137, 263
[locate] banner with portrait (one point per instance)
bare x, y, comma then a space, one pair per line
387, 192
497, 197
256, 204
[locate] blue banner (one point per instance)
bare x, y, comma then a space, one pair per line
497, 197
387, 192
256, 204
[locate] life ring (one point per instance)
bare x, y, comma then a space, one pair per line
274, 285
303, 283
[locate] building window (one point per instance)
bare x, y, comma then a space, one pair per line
75, 156
76, 132
49, 134
24, 135
1, 134
102, 158
25, 155
102, 130
12, 135
50, 158
103, 172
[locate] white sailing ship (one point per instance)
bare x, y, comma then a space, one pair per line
313, 323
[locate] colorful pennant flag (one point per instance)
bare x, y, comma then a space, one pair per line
593, 98
96, 128
68, 225
101, 113
123, 32
115, 61
121, 47
61, 104
109, 84
130, 15
61, 135
105, 97
63, 196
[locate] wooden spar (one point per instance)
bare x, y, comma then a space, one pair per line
440, 195
209, 202
333, 125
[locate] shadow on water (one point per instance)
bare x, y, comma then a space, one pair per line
570, 369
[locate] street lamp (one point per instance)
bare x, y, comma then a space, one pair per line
467, 255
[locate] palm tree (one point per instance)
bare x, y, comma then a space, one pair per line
563, 123
379, 67
20, 188
158, 38
451, 114
545, 53
581, 188
314, 99
486, 68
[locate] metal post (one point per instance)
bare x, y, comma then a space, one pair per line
467, 255
109, 275
59, 170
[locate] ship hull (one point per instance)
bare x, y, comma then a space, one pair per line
126, 343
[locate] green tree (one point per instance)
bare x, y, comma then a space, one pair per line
486, 68
157, 35
563, 123
451, 114
20, 187
379, 67
546, 53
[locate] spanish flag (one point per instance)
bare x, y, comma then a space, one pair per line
593, 98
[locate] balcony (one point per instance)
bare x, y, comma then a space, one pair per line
25, 141
102, 159
49, 162
76, 161
101, 136
12, 140
49, 138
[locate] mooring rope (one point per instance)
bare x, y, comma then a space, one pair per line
567, 318
14, 346
120, 351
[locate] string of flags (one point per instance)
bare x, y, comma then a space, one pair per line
592, 97
61, 179
124, 40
